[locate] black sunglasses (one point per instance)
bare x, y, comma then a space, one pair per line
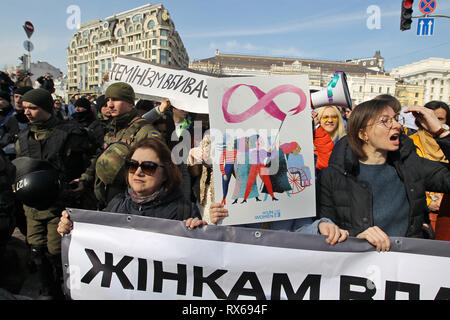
148, 167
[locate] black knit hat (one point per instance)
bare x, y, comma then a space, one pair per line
41, 98
100, 103
5, 95
22, 90
83, 102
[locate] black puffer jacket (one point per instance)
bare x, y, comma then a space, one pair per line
348, 202
173, 206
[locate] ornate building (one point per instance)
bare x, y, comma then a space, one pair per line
146, 32
364, 83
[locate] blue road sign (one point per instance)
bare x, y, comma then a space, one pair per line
427, 6
425, 26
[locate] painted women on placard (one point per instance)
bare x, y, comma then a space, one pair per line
258, 157
296, 162
242, 170
278, 173
227, 160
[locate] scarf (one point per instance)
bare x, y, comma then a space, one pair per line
41, 129
122, 121
430, 147
144, 199
85, 118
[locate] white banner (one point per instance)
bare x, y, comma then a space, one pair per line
186, 89
118, 256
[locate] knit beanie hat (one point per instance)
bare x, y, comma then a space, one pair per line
5, 95
120, 91
41, 98
83, 102
100, 103
22, 90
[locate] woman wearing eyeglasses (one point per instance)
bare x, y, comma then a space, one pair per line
330, 128
154, 188
375, 183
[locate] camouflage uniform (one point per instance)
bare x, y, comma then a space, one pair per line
68, 147
107, 171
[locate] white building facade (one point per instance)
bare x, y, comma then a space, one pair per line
432, 73
364, 83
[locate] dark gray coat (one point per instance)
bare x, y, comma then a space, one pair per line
173, 206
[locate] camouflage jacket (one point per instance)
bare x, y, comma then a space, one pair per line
107, 169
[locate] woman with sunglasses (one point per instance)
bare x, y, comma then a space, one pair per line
154, 188
329, 129
375, 183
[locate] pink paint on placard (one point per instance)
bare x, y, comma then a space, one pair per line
265, 102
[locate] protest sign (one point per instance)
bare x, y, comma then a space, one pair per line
119, 256
186, 89
262, 149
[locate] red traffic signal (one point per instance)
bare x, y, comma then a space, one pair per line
407, 4
406, 15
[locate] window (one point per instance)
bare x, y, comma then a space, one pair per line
154, 42
388, 90
164, 32
130, 29
163, 56
119, 32
150, 24
360, 88
137, 18
371, 89
163, 43
380, 89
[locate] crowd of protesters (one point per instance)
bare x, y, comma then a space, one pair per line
113, 153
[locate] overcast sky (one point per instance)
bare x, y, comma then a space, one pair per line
320, 29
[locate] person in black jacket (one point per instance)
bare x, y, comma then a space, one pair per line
375, 183
154, 188
46, 82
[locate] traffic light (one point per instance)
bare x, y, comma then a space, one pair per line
406, 14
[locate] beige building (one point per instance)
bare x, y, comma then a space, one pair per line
364, 83
432, 73
146, 32
410, 94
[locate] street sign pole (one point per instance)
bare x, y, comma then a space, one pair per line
29, 30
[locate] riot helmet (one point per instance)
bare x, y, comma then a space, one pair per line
37, 182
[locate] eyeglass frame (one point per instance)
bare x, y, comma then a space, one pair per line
326, 118
397, 118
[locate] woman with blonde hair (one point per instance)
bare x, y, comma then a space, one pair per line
329, 128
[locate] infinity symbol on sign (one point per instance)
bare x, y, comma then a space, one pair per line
265, 103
